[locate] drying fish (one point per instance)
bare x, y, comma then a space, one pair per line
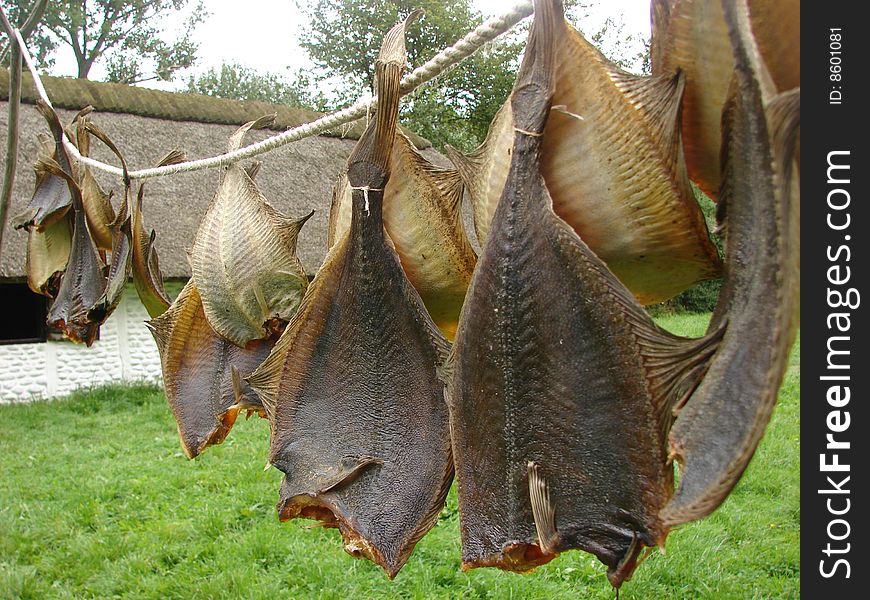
48, 250
695, 41
612, 160
720, 426
119, 230
146, 269
357, 412
83, 282
47, 255
51, 200
244, 258
119, 268
97, 203
562, 386
422, 217
202, 372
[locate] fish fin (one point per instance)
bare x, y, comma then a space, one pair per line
543, 510
658, 98
253, 168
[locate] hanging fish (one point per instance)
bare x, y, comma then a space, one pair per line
244, 259
355, 403
48, 250
718, 429
695, 41
119, 268
97, 203
562, 386
147, 277
202, 372
83, 282
119, 230
613, 164
51, 199
423, 221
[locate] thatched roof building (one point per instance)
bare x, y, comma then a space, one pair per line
145, 124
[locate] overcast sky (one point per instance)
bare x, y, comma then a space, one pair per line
262, 33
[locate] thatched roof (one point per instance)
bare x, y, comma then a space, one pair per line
295, 178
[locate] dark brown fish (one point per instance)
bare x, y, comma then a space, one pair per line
562, 386
356, 406
51, 199
83, 282
717, 431
202, 372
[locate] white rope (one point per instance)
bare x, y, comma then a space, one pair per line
486, 32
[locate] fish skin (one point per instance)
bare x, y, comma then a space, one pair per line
562, 388
243, 257
718, 429
613, 163
197, 367
352, 388
423, 221
51, 197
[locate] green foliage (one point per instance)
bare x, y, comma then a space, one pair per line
98, 501
126, 33
243, 83
343, 41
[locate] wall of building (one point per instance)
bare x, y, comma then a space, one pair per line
125, 352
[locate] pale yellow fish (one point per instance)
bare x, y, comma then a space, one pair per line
613, 164
244, 258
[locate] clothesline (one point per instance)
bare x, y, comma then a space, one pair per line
486, 32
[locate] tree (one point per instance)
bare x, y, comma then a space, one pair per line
343, 38
125, 33
243, 83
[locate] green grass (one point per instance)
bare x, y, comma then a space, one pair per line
98, 501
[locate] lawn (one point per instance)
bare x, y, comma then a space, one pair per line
98, 501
